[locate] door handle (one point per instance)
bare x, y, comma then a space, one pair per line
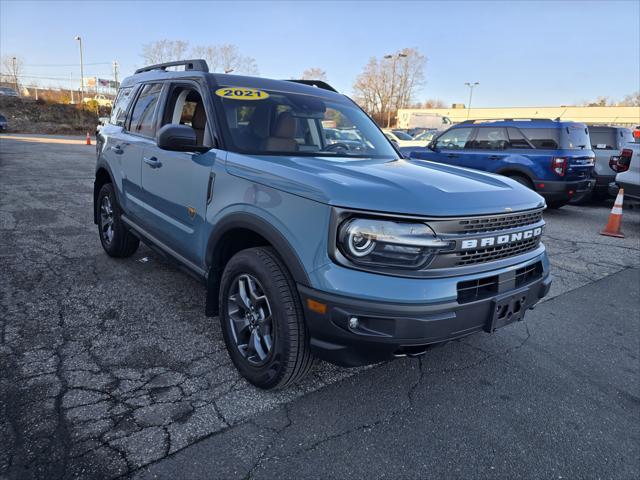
117, 149
494, 157
452, 155
153, 162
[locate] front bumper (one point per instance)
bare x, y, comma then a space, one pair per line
556, 191
385, 330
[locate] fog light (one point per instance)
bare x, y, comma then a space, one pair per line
353, 323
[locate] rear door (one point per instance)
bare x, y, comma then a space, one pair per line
486, 150
137, 133
177, 184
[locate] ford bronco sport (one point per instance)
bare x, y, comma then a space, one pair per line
310, 248
553, 158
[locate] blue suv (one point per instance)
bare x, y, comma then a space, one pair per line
306, 246
553, 158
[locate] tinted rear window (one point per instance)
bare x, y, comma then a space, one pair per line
573, 137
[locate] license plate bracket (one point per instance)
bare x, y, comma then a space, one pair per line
506, 309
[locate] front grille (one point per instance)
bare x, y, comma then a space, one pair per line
473, 290
489, 254
529, 273
502, 222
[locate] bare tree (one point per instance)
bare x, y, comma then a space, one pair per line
434, 103
12, 68
162, 51
314, 73
631, 100
390, 83
226, 58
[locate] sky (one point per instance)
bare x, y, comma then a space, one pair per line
523, 53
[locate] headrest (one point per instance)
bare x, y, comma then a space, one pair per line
285, 126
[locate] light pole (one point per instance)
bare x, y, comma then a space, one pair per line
395, 57
470, 85
79, 39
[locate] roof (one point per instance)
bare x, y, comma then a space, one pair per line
522, 123
230, 80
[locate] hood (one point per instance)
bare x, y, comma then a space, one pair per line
412, 187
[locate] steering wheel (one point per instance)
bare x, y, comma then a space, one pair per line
337, 146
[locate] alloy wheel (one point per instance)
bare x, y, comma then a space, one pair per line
106, 219
250, 319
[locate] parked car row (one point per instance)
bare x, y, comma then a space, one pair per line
562, 161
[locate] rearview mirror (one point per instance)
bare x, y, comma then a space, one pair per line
179, 138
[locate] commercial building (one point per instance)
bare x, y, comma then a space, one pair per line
627, 116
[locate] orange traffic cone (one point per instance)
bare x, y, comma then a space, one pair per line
615, 218
88, 139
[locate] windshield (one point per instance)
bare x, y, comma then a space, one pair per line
266, 122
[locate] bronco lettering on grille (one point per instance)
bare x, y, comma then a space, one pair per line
500, 239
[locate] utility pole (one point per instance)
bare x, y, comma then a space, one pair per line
470, 85
393, 81
115, 73
15, 74
79, 39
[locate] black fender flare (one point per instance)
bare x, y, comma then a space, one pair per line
271, 234
253, 222
516, 169
102, 166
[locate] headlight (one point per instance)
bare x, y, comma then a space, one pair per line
384, 243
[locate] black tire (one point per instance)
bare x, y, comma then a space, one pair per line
554, 205
522, 180
118, 241
289, 357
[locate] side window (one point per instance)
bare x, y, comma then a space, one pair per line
543, 138
186, 107
490, 138
119, 111
142, 116
454, 139
517, 139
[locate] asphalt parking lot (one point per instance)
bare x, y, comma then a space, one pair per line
109, 367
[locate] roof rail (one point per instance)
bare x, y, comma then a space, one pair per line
479, 120
195, 65
315, 83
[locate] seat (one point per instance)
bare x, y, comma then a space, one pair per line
282, 137
199, 122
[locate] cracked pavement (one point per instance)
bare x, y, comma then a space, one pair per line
109, 368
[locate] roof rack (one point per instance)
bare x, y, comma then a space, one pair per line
315, 83
479, 120
195, 65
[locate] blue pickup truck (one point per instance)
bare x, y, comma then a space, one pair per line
554, 158
307, 247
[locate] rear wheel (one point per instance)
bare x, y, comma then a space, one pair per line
521, 179
262, 320
116, 240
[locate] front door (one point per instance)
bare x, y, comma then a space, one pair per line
176, 184
449, 147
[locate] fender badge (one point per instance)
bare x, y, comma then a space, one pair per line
508, 209
191, 211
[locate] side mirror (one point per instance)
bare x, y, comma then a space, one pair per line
179, 138
432, 146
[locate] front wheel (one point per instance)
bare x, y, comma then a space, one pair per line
262, 320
